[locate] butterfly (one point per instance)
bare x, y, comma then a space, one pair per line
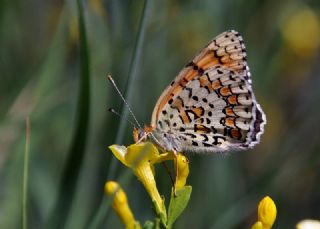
210, 106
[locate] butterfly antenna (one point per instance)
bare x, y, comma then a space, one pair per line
113, 111
123, 99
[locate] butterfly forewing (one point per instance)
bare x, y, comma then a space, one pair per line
210, 105
226, 49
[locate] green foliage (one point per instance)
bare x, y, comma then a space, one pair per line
178, 203
78, 145
162, 216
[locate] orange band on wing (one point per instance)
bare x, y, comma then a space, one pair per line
176, 87
201, 129
184, 117
177, 103
198, 111
204, 82
235, 133
229, 111
216, 84
225, 91
230, 122
233, 99
208, 61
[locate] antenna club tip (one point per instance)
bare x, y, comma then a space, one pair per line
109, 77
111, 110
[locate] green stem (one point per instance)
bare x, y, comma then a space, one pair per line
25, 176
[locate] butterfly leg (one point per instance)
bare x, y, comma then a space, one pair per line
169, 172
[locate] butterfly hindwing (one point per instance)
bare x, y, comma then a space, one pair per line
213, 112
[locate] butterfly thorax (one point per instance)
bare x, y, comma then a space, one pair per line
166, 140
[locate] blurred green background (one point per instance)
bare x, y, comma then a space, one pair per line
40, 65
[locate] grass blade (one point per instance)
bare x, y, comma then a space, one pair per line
132, 77
75, 157
25, 176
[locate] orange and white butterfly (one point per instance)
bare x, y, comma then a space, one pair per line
210, 105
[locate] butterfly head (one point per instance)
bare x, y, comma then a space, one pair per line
140, 134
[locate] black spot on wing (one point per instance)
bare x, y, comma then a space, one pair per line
207, 145
205, 137
191, 135
189, 91
181, 119
217, 138
194, 143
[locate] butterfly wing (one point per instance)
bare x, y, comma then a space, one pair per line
227, 50
210, 106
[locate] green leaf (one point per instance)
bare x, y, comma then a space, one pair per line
152, 225
71, 171
149, 225
178, 203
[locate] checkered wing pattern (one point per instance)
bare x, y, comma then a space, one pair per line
210, 105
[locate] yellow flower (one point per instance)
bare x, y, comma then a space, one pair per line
267, 213
120, 205
257, 225
183, 171
308, 224
141, 159
301, 31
